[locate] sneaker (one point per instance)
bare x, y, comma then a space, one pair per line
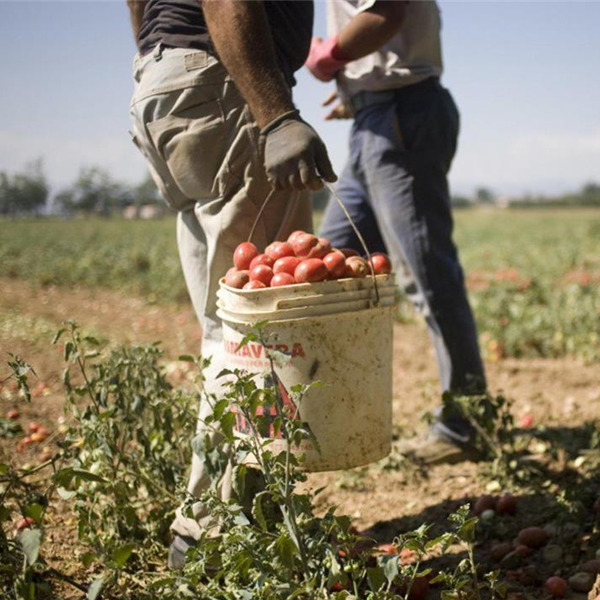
440, 445
177, 551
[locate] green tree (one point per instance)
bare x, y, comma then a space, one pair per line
24, 193
94, 192
484, 195
146, 192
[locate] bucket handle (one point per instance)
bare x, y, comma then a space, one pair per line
352, 224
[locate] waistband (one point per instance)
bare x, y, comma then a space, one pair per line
364, 99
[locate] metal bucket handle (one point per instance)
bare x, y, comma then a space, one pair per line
352, 224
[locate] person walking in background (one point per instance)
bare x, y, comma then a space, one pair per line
386, 59
212, 112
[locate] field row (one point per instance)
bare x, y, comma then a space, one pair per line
533, 276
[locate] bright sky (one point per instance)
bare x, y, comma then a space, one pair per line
526, 77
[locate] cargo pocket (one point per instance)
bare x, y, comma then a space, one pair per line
193, 144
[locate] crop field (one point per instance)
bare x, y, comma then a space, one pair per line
95, 430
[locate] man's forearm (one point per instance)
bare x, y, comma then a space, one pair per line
240, 33
370, 30
136, 13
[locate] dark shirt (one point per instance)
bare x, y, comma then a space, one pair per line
180, 24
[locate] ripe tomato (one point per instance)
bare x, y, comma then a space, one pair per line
243, 254
254, 284
357, 267
303, 244
278, 250
326, 244
381, 263
557, 586
311, 270
261, 259
294, 235
507, 505
262, 273
280, 279
236, 279
25, 523
13, 413
287, 264
336, 264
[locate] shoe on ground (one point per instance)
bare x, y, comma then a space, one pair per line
440, 445
178, 549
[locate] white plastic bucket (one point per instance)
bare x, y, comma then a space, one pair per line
332, 333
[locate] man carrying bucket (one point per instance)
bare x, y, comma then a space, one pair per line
213, 114
386, 59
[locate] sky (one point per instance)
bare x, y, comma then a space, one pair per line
525, 75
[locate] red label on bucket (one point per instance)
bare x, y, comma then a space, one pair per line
254, 350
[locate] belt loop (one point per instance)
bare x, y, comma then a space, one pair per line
158, 50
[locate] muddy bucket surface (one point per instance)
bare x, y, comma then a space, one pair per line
336, 336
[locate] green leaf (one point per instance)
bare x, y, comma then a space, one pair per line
376, 578
186, 358
4, 468
121, 555
227, 423
286, 550
95, 588
88, 476
30, 541
34, 511
257, 510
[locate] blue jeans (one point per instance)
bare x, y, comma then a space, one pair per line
395, 188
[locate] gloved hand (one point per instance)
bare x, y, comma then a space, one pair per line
325, 58
295, 156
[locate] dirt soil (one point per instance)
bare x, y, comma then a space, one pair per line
559, 394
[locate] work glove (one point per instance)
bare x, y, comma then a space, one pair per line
325, 58
295, 156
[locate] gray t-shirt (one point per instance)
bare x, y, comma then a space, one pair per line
412, 55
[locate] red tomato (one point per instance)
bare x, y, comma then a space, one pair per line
507, 505
13, 413
294, 235
34, 426
526, 421
236, 279
485, 502
557, 586
25, 523
262, 273
357, 267
319, 251
326, 244
386, 549
348, 252
280, 279
311, 270
303, 244
287, 264
254, 284
243, 254
261, 259
381, 263
336, 264
278, 250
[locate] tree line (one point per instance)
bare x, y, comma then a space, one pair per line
94, 191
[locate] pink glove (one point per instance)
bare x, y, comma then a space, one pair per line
325, 58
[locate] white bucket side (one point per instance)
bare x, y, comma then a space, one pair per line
269, 299
312, 310
351, 354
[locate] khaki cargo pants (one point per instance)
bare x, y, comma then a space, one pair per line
203, 150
